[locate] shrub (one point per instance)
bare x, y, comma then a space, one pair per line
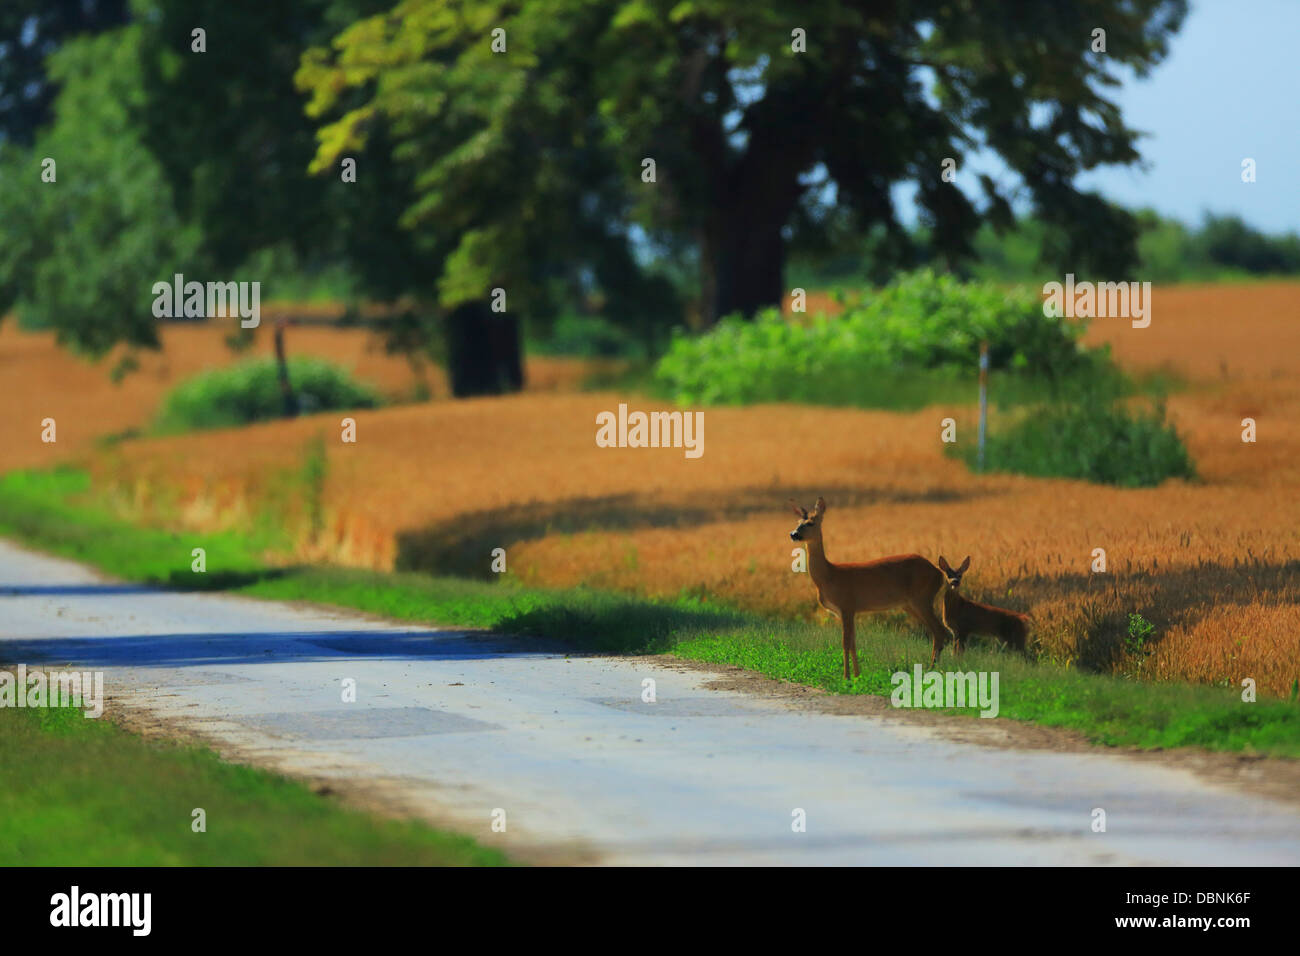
1093, 439
250, 392
583, 336
920, 321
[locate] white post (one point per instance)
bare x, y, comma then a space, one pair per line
984, 400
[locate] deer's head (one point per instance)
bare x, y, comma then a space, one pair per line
953, 575
809, 527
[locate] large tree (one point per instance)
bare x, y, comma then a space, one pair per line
752, 114
216, 139
503, 146
87, 221
752, 132
229, 128
496, 149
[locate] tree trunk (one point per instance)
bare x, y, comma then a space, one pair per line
753, 196
707, 239
484, 351
742, 251
751, 268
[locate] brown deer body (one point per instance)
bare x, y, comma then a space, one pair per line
907, 581
967, 617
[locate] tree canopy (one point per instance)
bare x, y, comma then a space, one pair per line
30, 30
752, 114
556, 151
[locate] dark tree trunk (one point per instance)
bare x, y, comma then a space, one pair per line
484, 352
753, 196
751, 268
742, 250
707, 240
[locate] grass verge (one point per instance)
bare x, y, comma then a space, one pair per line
43, 509
116, 799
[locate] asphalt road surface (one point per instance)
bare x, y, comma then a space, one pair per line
463, 730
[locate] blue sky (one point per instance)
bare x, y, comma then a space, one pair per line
1229, 89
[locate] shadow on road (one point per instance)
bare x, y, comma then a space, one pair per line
72, 590
270, 647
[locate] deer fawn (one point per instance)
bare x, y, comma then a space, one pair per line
906, 581
970, 617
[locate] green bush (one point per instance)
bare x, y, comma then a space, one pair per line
588, 336
921, 321
1093, 439
250, 392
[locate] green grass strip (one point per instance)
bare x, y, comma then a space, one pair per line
80, 792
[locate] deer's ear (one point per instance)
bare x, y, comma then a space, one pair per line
821, 506
798, 512
964, 565
943, 565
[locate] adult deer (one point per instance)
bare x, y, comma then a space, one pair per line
967, 617
906, 581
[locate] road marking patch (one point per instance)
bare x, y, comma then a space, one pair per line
368, 723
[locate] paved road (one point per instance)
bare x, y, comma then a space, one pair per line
460, 726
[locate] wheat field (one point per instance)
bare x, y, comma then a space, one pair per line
437, 485
42, 380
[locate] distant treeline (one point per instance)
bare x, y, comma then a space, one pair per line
1220, 248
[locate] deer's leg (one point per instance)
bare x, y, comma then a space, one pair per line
846, 621
1020, 641
938, 630
852, 632
958, 634
918, 620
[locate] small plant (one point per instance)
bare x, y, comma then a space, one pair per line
1137, 640
250, 392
